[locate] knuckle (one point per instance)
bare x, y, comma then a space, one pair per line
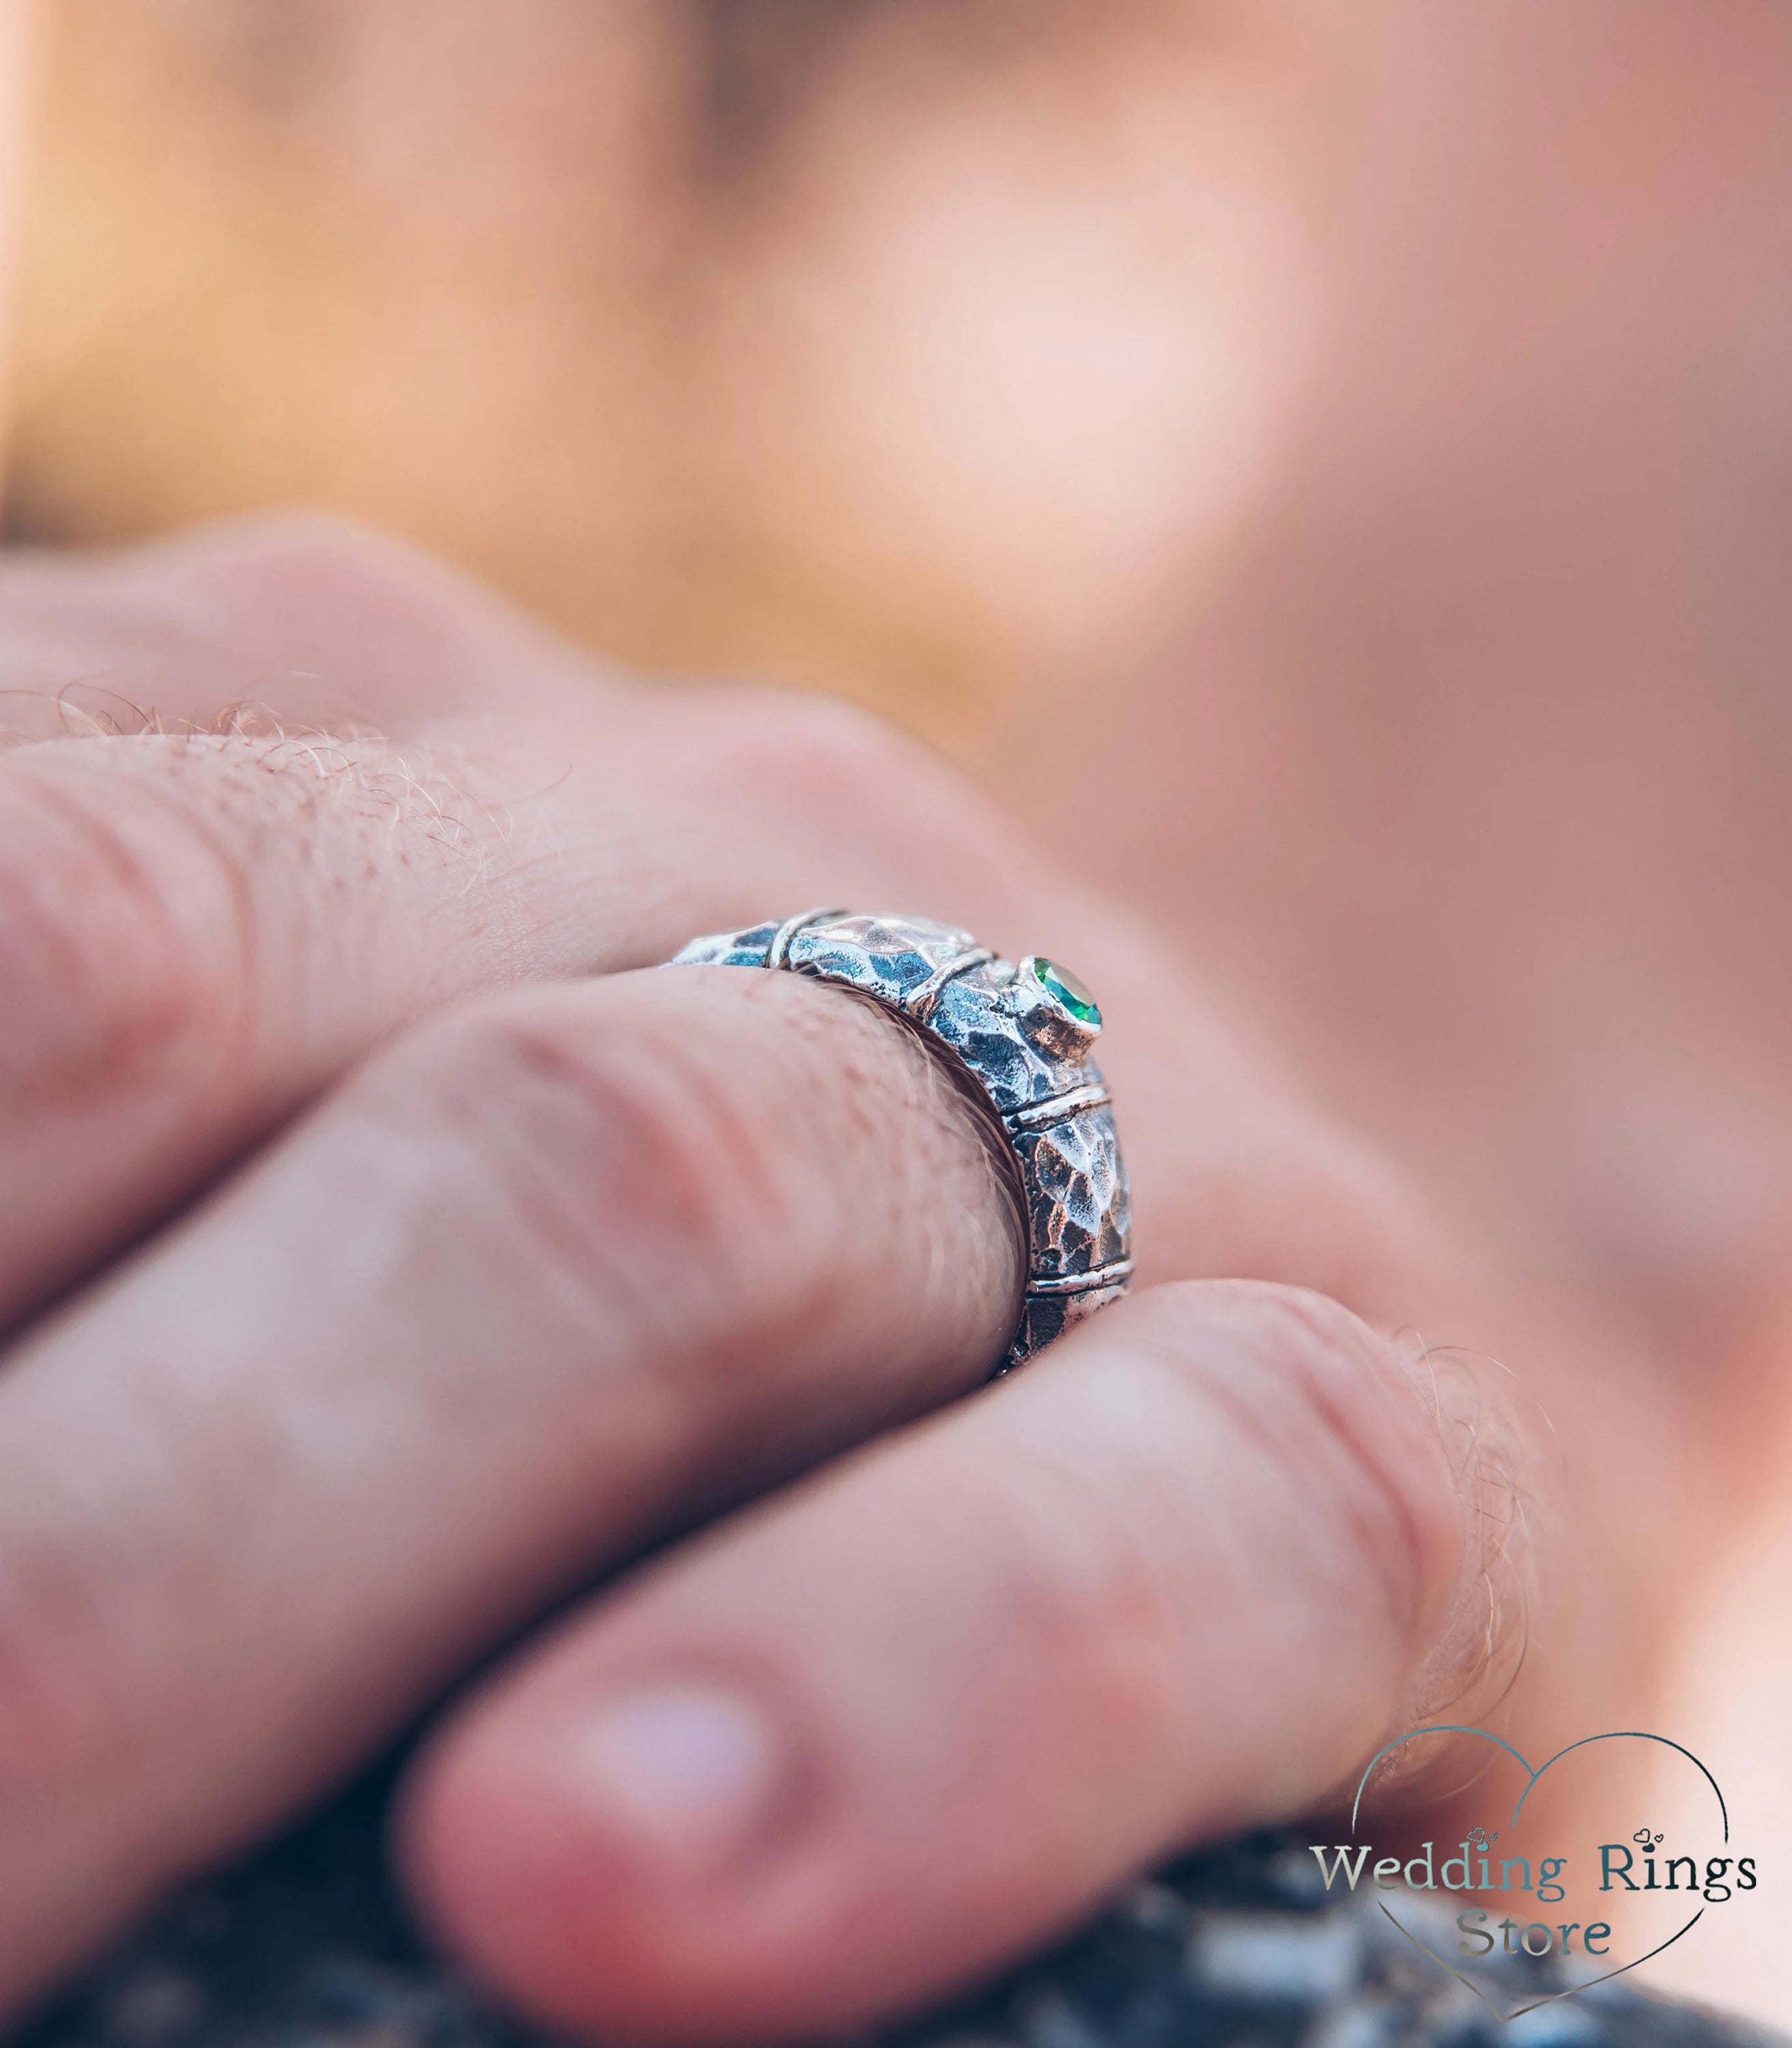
302, 554
183, 629
1108, 1616
825, 745
61, 1686
121, 948
1321, 1405
615, 1160
809, 754
350, 615
823, 796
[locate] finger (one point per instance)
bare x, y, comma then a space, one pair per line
197, 931
196, 934
559, 1273
199, 925
318, 624
1184, 1571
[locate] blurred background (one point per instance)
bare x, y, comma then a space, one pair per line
1334, 463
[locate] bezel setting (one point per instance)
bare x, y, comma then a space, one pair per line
1054, 1008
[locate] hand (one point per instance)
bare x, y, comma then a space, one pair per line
400, 1259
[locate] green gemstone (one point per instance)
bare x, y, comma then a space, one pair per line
1063, 986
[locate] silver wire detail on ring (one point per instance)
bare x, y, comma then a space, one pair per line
1023, 1034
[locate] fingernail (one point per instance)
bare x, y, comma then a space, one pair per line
691, 1773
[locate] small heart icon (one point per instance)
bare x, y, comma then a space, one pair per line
1616, 1895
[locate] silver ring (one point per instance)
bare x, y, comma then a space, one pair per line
1023, 1034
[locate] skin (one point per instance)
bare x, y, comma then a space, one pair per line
1434, 633
466, 1259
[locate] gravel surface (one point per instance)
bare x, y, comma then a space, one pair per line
304, 1946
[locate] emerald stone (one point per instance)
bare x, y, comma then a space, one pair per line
1060, 983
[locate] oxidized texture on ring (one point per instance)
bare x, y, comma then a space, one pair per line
1024, 1034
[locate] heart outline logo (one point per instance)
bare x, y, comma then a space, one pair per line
1531, 1778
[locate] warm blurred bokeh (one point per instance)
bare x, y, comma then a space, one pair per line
1335, 462
898, 348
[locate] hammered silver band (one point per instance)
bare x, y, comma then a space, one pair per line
1023, 1034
